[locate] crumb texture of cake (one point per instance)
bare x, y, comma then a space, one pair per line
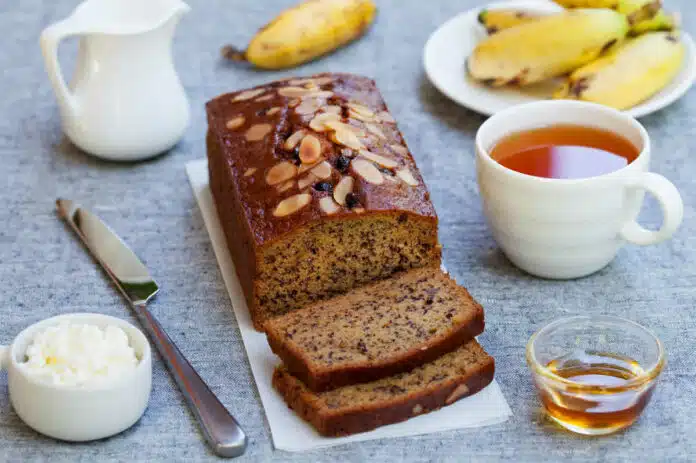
377, 330
363, 407
316, 190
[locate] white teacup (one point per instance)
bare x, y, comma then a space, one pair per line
569, 228
76, 413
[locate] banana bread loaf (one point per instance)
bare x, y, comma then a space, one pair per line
316, 190
362, 407
377, 330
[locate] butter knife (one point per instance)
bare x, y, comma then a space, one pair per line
132, 278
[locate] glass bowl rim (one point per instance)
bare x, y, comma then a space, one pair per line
648, 375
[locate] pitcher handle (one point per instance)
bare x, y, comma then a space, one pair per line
4, 361
672, 210
49, 41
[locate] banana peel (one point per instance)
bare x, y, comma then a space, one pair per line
304, 32
643, 15
629, 74
505, 18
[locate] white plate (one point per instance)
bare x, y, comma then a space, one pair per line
449, 46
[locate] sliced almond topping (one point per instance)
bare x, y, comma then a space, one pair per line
399, 149
361, 112
294, 92
346, 137
285, 186
310, 149
304, 168
235, 122
258, 132
367, 170
307, 107
250, 171
328, 205
320, 94
273, 110
323, 80
310, 85
306, 181
333, 109
381, 160
372, 128
265, 97
293, 140
247, 95
318, 124
384, 116
322, 170
296, 82
281, 172
342, 189
292, 204
406, 175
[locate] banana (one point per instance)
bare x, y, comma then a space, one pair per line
643, 15
497, 20
629, 74
548, 47
305, 32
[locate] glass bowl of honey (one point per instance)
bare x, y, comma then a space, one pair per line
595, 374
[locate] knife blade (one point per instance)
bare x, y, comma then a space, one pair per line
132, 278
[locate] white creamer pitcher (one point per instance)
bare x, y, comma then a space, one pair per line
125, 101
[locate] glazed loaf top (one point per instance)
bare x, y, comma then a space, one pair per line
306, 149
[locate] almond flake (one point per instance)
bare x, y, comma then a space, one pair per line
322, 170
332, 109
319, 94
273, 110
281, 172
381, 160
311, 86
322, 80
318, 124
249, 94
372, 128
304, 168
249, 172
346, 138
306, 181
367, 171
296, 82
399, 149
285, 186
265, 97
407, 176
293, 92
235, 122
310, 149
293, 140
292, 204
307, 107
360, 112
258, 132
341, 190
384, 116
328, 205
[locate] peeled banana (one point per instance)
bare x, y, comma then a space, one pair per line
499, 19
629, 74
306, 31
643, 15
548, 47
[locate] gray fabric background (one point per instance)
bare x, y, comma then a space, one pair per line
45, 272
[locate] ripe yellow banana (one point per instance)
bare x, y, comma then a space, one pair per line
629, 74
643, 15
306, 31
548, 47
499, 19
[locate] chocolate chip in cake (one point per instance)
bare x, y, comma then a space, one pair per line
352, 200
342, 163
362, 347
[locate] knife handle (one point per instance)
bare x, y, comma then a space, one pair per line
220, 429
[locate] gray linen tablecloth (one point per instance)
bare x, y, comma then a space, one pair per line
45, 272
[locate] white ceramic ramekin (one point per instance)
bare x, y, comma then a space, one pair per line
77, 413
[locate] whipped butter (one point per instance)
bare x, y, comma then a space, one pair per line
78, 354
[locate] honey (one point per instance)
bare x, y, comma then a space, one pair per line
601, 396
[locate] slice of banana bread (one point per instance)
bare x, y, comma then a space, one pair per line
375, 331
362, 407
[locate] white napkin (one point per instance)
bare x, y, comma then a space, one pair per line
289, 431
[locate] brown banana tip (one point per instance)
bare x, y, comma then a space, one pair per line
647, 11
482, 16
233, 53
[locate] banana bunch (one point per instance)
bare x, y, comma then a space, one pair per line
613, 52
305, 32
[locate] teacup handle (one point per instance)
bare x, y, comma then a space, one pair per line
49, 40
672, 210
4, 352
